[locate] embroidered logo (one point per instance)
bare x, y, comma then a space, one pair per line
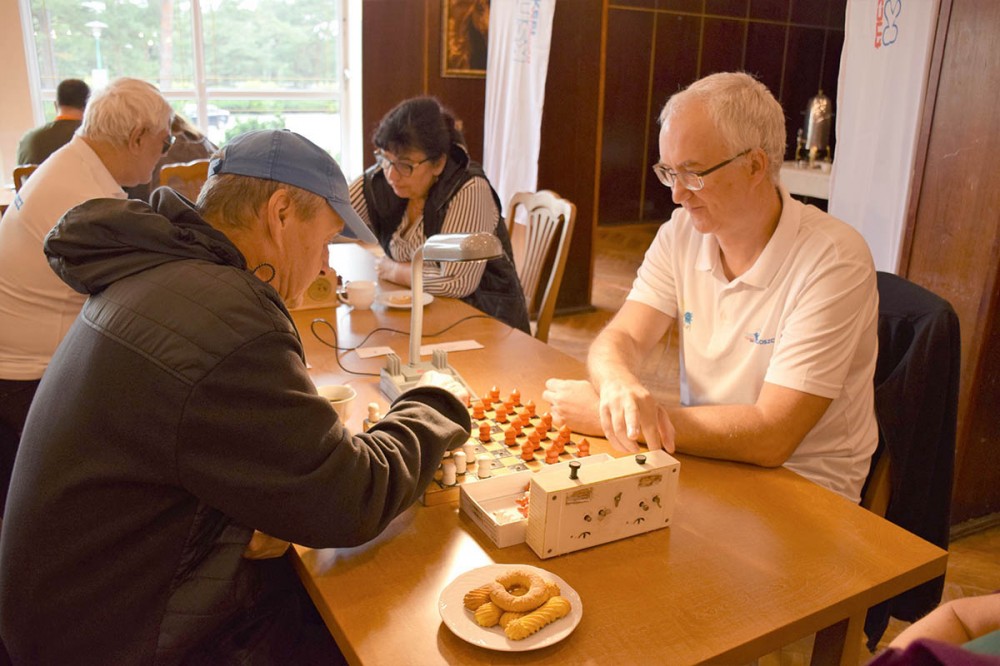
757, 340
688, 318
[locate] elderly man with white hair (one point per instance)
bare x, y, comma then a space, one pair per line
126, 127
776, 303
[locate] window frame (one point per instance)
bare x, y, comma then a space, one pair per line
348, 93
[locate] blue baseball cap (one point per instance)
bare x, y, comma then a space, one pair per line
290, 158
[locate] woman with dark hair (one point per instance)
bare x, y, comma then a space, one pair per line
423, 183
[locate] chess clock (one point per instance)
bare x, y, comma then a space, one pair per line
322, 293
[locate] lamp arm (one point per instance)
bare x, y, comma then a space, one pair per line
416, 304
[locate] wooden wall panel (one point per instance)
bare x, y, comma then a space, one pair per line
392, 69
723, 43
766, 53
567, 161
675, 65
955, 237
626, 108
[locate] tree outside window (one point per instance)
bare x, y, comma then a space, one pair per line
229, 65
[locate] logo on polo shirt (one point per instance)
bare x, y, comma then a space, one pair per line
757, 340
688, 318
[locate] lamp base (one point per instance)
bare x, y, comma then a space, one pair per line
397, 378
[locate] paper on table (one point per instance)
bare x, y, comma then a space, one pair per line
369, 352
457, 345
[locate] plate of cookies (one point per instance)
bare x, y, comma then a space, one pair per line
510, 607
401, 298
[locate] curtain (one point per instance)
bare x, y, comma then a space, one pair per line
520, 34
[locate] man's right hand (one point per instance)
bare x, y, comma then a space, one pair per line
629, 414
447, 382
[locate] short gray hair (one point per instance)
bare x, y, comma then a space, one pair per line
230, 201
743, 111
123, 106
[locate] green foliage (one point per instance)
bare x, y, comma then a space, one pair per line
249, 44
255, 123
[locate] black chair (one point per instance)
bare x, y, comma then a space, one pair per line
916, 405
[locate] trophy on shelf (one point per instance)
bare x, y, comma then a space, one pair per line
812, 146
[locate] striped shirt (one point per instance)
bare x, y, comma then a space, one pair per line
471, 210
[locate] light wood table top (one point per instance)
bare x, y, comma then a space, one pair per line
753, 560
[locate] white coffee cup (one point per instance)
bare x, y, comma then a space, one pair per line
341, 397
359, 294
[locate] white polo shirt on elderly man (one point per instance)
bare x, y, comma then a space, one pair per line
805, 316
36, 307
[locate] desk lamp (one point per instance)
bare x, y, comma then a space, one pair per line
396, 377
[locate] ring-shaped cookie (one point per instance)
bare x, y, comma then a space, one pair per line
535, 596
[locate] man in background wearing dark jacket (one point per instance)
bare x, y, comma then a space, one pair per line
39, 143
177, 427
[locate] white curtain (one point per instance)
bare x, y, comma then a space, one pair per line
883, 80
518, 59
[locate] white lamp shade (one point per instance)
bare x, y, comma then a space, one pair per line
462, 247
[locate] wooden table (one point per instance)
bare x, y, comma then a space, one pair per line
754, 559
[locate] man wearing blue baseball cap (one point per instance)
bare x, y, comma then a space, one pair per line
177, 427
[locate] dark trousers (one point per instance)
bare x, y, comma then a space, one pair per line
15, 399
282, 627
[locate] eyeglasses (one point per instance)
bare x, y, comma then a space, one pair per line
404, 169
692, 180
169, 141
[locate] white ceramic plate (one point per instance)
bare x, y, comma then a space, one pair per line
463, 624
399, 299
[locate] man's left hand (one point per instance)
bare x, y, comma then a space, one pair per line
264, 547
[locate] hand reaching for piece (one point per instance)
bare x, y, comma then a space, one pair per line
630, 414
447, 382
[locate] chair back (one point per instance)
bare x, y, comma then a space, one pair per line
185, 178
916, 406
541, 243
21, 173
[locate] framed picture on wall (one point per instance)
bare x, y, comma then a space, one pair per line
465, 36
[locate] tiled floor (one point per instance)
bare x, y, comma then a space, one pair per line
973, 561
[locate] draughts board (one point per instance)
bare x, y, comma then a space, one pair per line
503, 457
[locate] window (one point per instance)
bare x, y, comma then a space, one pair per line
228, 65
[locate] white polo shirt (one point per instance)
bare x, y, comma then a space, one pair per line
36, 307
804, 316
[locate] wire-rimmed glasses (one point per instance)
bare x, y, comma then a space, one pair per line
692, 180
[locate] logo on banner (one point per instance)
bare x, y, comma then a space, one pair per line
886, 30
526, 29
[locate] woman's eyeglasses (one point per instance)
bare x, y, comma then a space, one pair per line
402, 168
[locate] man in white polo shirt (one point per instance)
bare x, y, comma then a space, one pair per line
126, 128
775, 303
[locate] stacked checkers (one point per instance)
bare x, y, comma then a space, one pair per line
507, 436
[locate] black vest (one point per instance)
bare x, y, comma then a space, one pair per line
499, 293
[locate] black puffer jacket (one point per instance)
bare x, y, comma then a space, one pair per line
176, 417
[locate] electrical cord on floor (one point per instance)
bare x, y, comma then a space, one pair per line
338, 350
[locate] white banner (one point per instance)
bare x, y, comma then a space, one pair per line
516, 65
883, 79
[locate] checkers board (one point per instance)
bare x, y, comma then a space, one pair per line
492, 417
